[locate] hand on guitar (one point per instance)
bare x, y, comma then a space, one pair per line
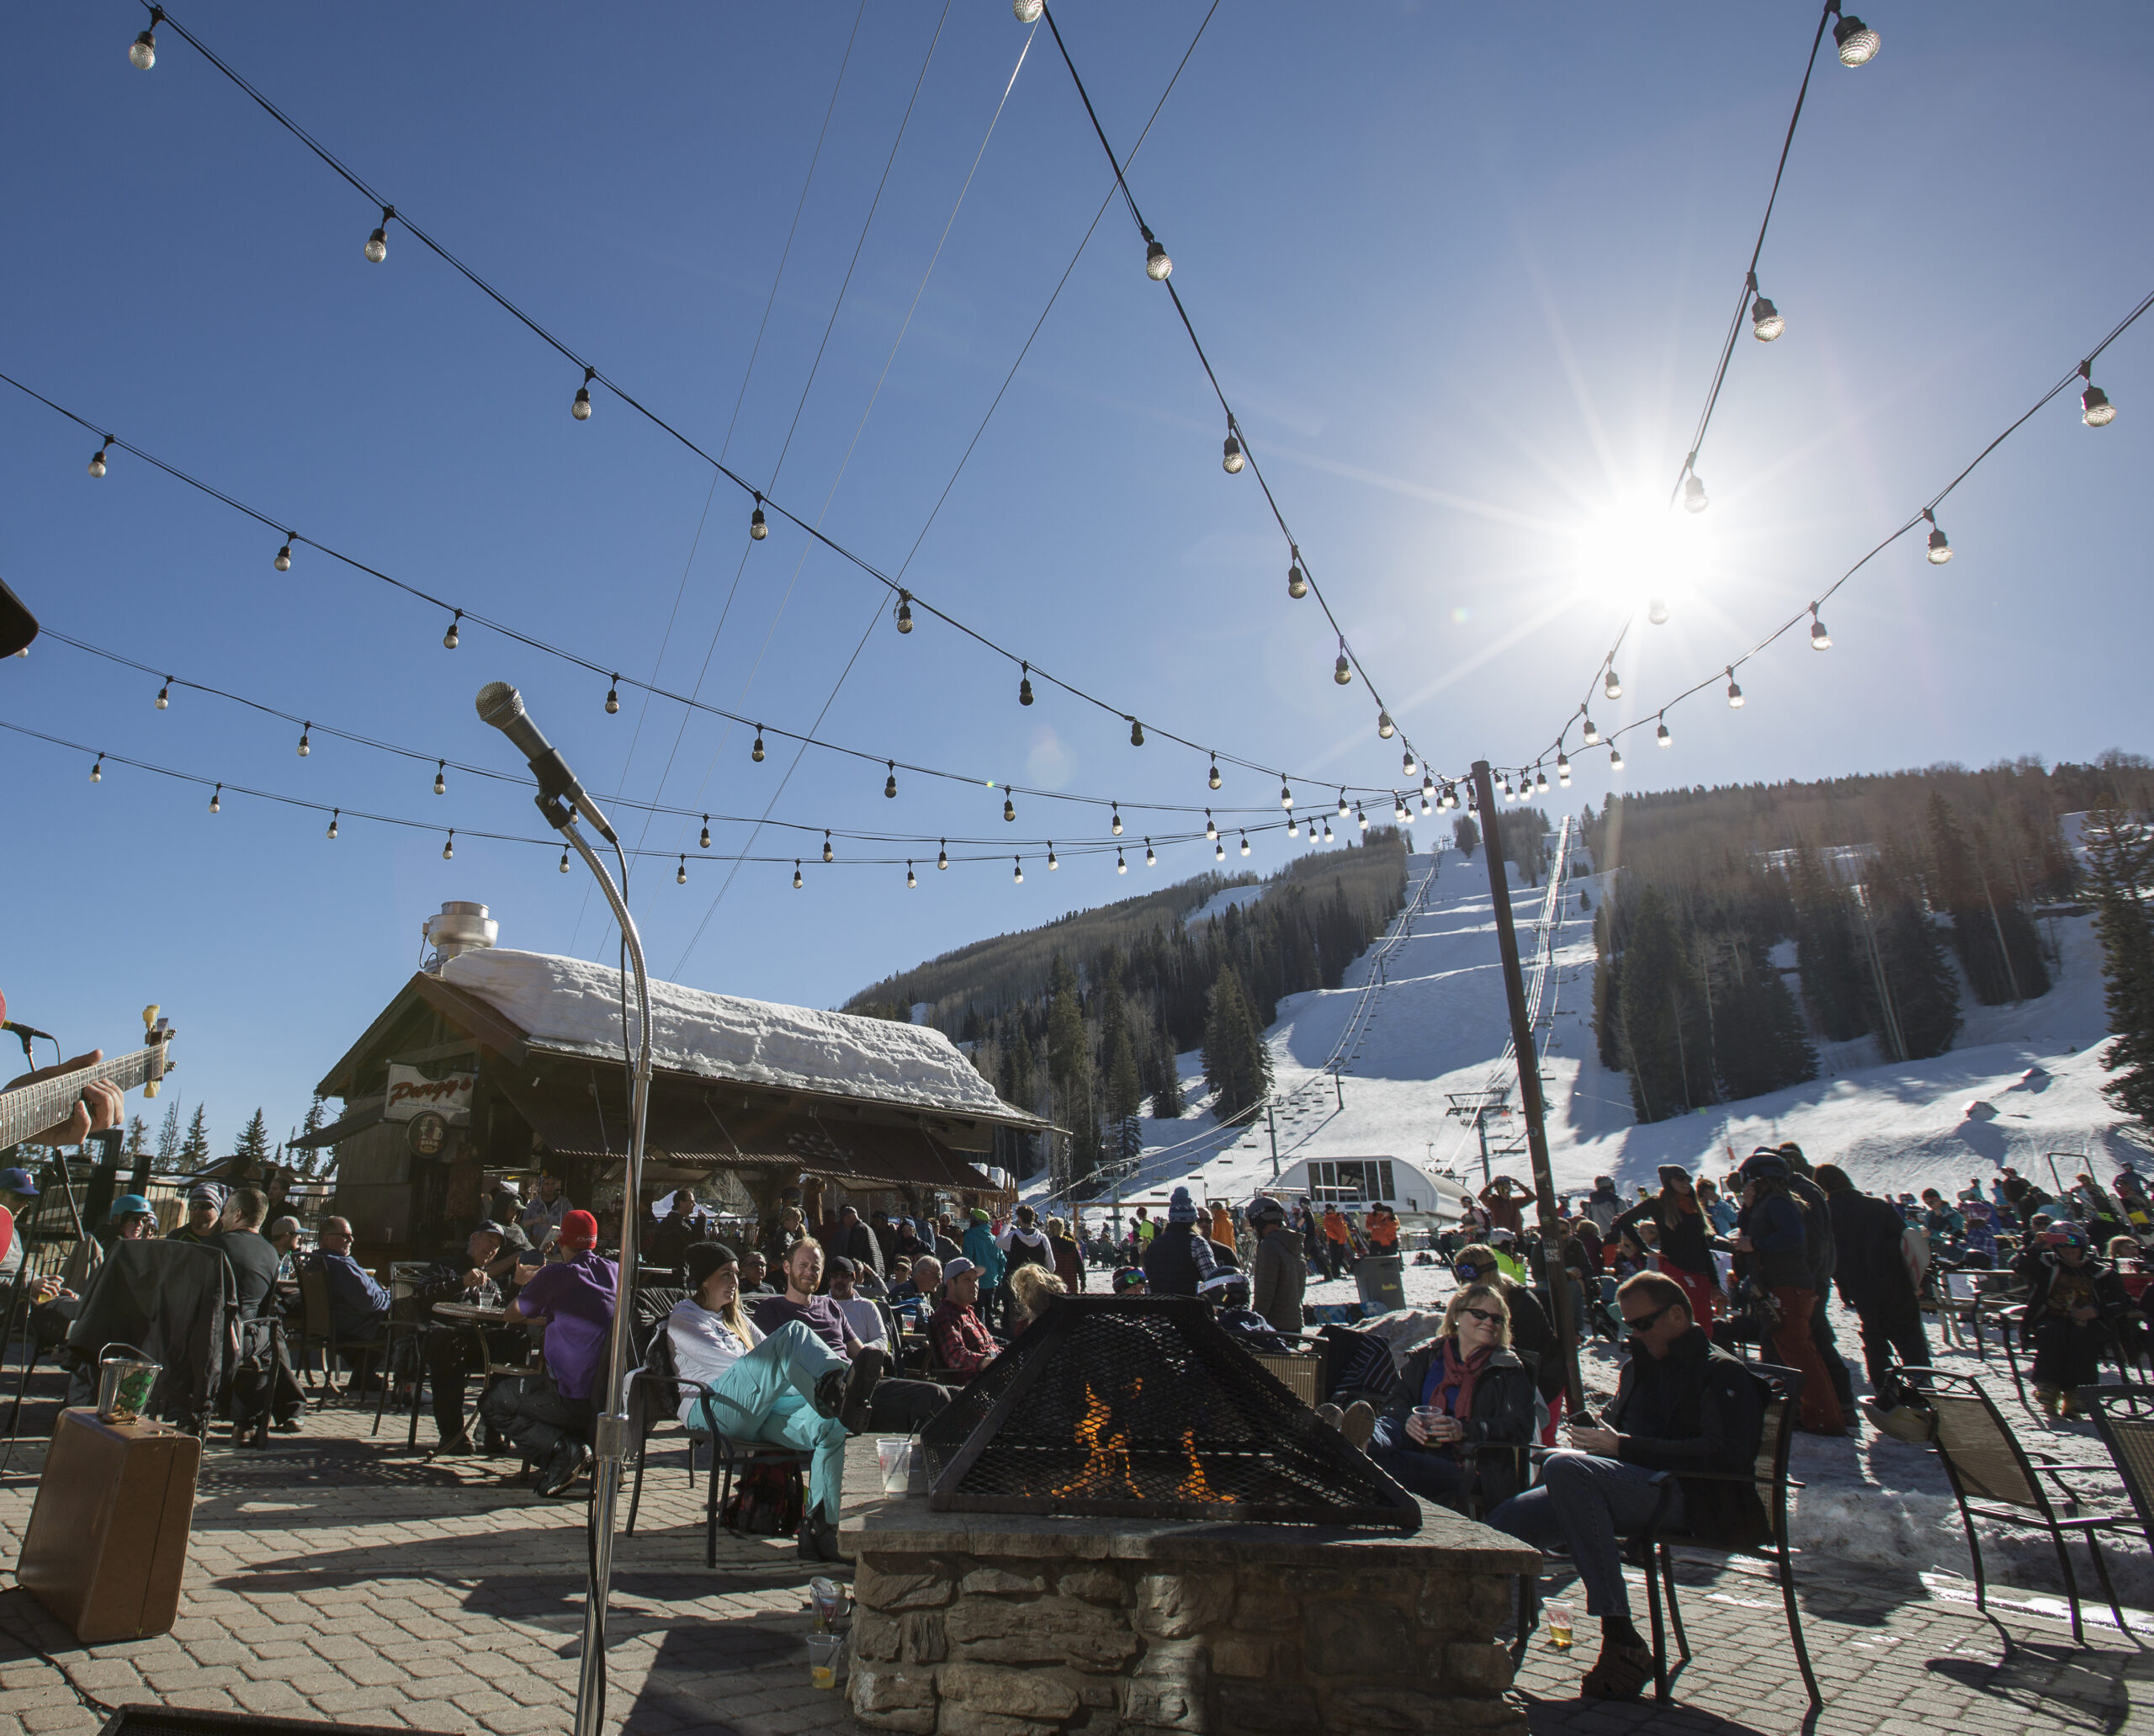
102, 1104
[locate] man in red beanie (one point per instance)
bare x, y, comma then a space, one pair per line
549, 1421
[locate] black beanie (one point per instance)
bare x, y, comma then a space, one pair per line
704, 1258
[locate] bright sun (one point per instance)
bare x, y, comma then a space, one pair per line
1645, 554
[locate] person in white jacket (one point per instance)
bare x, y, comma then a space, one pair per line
1022, 1243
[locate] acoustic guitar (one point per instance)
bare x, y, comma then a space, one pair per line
31, 1108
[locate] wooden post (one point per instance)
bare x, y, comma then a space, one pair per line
1529, 1087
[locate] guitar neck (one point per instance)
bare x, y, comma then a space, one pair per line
31, 1108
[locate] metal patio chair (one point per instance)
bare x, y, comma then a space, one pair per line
1994, 1478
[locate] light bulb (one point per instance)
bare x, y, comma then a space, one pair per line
335, 815
1052, 864
1342, 804
756, 753
797, 882
1858, 43
1657, 611
1820, 639
1592, 734
1017, 874
1025, 686
1612, 684
1297, 583
1234, 460
904, 612
284, 559
441, 778
681, 873
912, 880
1136, 733
97, 771
2095, 409
704, 842
1219, 852
1343, 672
1425, 810
1360, 819
1120, 865
1211, 826
613, 697
1539, 781
1157, 266
942, 855
1766, 322
1563, 770
378, 245
1245, 843
1327, 831
142, 52
758, 526
1450, 796
306, 746
1694, 494
828, 854
1286, 795
1734, 692
1940, 548
1028, 11
1661, 736
97, 461
449, 848
580, 410
164, 696
1614, 759
1115, 826
1150, 860
449, 639
1506, 787
564, 861
1385, 729
1428, 784
890, 783
1406, 763
1293, 827
1009, 810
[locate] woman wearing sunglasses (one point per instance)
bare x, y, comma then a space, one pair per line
1466, 1391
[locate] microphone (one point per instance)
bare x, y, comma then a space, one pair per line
27, 1031
501, 705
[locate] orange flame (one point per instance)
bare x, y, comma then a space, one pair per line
1107, 1455
1193, 1487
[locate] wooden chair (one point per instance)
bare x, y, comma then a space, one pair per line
1994, 1478
318, 1329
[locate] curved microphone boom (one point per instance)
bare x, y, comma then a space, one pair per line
501, 705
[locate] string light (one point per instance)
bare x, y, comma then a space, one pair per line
1694, 493
704, 842
1563, 770
1820, 639
1425, 811
912, 880
1120, 865
441, 778
1157, 266
306, 746
1540, 780
1612, 684
614, 696
580, 410
97, 771
1385, 729
378, 243
1293, 827
564, 861
1940, 549
1661, 736
1614, 758
1025, 689
1136, 733
1213, 780
1407, 764
448, 845
758, 526
890, 783
1766, 322
1018, 874
1052, 864
1450, 796
1009, 809
337, 814
1657, 611
1734, 692
1286, 795
1211, 826
756, 753
905, 611
1150, 860
1360, 819
164, 695
942, 855
1343, 670
1298, 582
1342, 804
1028, 11
1114, 824
284, 561
828, 855
1233, 461
97, 459
798, 882
142, 52
1592, 736
681, 873
2095, 409
1219, 852
1857, 42
450, 638
1245, 843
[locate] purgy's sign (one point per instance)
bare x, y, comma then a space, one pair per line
412, 1093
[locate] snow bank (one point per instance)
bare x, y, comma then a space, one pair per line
569, 1005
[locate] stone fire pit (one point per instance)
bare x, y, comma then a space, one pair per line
991, 1624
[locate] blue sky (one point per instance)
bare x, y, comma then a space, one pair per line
1463, 276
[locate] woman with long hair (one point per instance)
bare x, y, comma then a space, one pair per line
1769, 1240
1461, 1405
1685, 1239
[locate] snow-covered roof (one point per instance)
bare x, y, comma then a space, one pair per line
570, 1006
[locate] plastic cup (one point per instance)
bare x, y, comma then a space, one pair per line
1428, 1415
825, 1653
1559, 1627
894, 1455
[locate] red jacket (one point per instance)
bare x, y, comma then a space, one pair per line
960, 1342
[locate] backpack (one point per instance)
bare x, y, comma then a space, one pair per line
769, 1500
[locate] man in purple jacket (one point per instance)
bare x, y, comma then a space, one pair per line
550, 1420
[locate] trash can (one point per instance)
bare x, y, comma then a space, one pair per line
1382, 1280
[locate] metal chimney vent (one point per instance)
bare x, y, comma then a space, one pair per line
461, 927
1143, 1408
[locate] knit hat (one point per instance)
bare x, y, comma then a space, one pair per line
1181, 1207
980, 1214
1128, 1278
1672, 1173
579, 1231
704, 1258
208, 1193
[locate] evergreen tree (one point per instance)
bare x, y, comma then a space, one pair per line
138, 1136
194, 1150
1656, 1008
1464, 835
317, 1118
1828, 950
1759, 1041
168, 1136
1236, 1064
1912, 989
254, 1143
1166, 1093
1125, 1098
2121, 872
1994, 936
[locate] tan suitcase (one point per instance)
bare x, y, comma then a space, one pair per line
106, 1544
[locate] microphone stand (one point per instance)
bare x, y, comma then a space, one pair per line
611, 1428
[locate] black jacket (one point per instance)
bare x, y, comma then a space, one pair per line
1818, 1241
1502, 1416
1171, 1263
1872, 1273
2110, 1297
1534, 1338
1697, 1409
253, 1262
1683, 1235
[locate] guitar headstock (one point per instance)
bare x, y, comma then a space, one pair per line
156, 1033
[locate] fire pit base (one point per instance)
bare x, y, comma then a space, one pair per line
1012, 1625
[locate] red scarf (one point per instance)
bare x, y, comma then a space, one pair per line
1450, 1386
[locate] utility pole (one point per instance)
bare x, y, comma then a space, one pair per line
1337, 1089
1271, 1120
1529, 1084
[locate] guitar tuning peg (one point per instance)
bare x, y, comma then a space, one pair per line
149, 1087
149, 1016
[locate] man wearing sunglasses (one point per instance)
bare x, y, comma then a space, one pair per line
1681, 1404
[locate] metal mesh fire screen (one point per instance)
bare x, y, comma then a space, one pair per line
1142, 1407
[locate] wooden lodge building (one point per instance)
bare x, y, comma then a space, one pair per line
489, 1061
